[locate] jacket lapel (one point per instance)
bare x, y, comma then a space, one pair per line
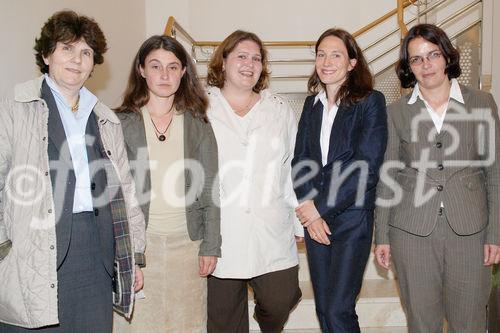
192, 140
56, 133
316, 121
457, 119
134, 134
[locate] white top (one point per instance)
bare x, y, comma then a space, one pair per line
437, 119
258, 221
326, 125
75, 125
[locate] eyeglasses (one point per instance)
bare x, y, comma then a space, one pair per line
419, 60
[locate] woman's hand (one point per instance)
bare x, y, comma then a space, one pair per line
139, 279
207, 265
491, 254
383, 255
307, 213
319, 231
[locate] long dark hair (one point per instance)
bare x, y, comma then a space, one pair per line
435, 35
190, 96
359, 81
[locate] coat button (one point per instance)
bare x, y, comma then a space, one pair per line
439, 145
439, 187
52, 247
92, 186
108, 152
440, 167
46, 173
440, 211
96, 212
52, 285
50, 211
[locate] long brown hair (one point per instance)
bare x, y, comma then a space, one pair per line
359, 81
216, 76
190, 96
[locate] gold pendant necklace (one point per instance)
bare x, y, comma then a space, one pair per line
75, 106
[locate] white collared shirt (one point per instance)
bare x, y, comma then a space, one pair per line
326, 125
258, 222
75, 125
437, 119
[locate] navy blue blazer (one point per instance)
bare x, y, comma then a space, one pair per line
359, 133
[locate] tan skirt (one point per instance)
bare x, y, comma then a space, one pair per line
175, 295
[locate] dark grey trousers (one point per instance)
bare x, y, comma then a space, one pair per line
275, 294
84, 286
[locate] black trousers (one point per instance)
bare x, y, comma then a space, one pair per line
84, 286
275, 294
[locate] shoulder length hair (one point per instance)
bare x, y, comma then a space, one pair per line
216, 76
359, 81
435, 35
189, 97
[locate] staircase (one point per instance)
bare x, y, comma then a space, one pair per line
378, 307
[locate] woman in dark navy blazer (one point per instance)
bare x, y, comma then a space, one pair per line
340, 147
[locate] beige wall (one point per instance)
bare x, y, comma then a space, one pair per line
123, 24
158, 11
127, 23
270, 19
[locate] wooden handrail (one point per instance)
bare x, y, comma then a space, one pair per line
381, 19
276, 43
172, 24
169, 27
401, 20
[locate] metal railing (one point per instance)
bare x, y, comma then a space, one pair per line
173, 28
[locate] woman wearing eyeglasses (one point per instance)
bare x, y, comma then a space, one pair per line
438, 218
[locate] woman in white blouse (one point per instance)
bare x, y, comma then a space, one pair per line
255, 132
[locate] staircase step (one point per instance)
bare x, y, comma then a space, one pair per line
363, 330
378, 306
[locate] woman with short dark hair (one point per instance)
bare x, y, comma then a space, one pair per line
441, 227
170, 141
436, 36
71, 230
339, 149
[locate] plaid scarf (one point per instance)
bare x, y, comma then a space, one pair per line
123, 280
